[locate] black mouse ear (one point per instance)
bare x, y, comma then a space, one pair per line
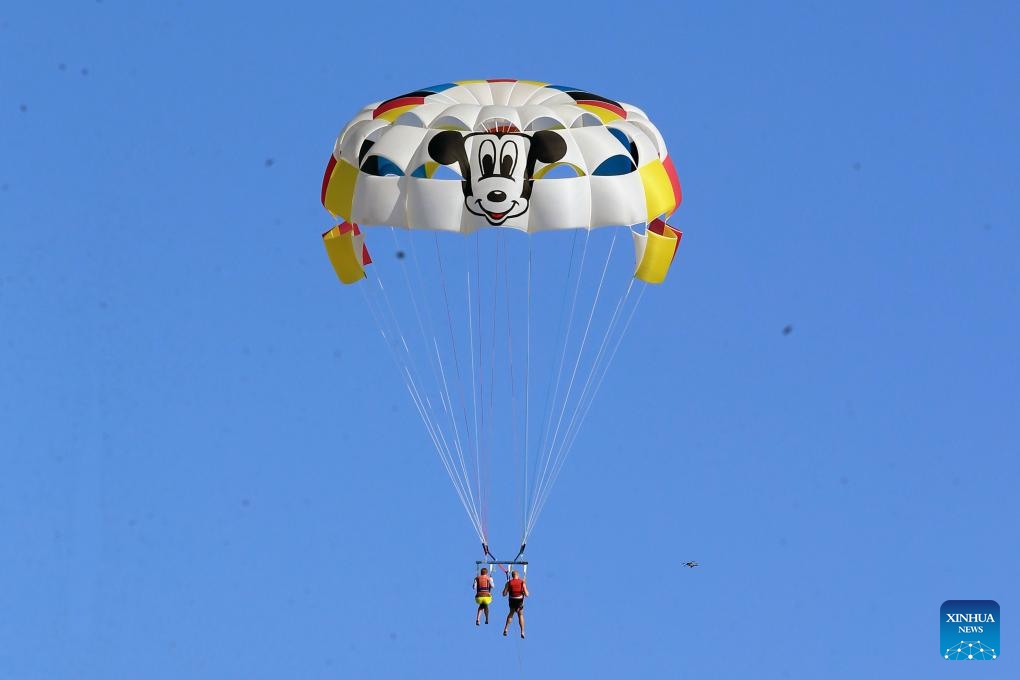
447, 148
548, 146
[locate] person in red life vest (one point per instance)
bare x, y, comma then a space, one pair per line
515, 590
483, 594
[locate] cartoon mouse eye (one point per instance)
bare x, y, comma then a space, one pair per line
487, 156
508, 158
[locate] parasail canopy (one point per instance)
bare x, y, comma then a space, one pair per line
502, 157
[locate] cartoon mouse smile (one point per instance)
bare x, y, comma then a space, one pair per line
497, 167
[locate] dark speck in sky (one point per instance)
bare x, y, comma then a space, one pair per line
84, 71
62, 66
787, 329
24, 108
400, 254
269, 162
844, 480
857, 165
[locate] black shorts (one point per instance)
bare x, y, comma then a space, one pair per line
516, 604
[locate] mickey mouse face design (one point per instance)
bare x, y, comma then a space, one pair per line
497, 167
497, 186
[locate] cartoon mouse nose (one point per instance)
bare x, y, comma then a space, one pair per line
496, 196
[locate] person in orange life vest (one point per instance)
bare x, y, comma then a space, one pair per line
483, 594
515, 590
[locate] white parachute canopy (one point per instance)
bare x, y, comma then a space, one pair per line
505, 284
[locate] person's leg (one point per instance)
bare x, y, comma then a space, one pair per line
478, 614
486, 615
520, 620
509, 618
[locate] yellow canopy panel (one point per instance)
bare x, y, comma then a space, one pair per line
655, 250
345, 245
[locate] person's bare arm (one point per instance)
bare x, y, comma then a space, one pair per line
526, 593
506, 588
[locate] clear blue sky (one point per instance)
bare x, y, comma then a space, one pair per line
184, 493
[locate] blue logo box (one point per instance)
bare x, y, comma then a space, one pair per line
969, 630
